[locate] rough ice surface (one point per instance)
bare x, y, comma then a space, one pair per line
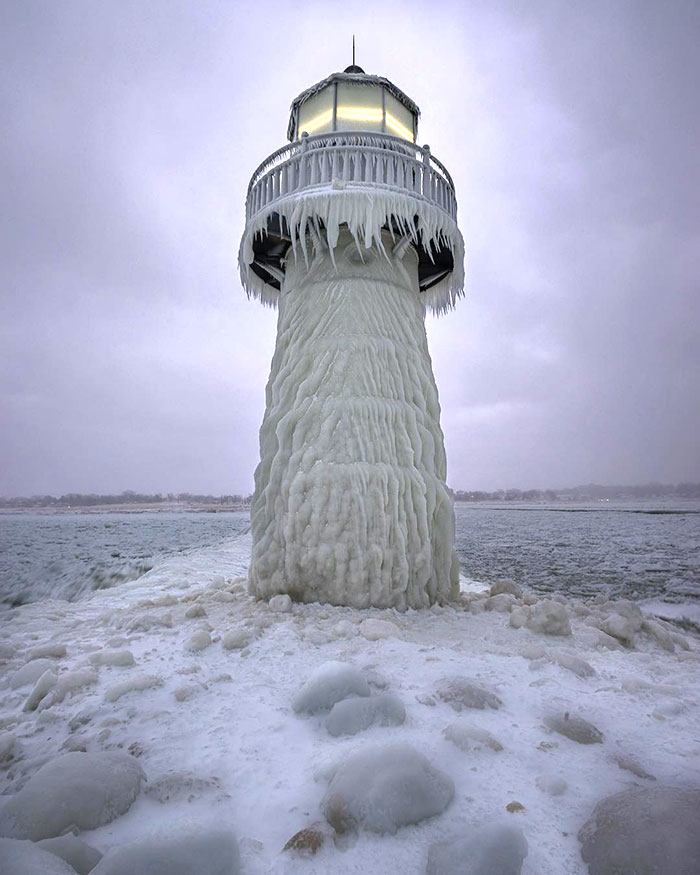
648, 830
25, 858
354, 715
493, 849
201, 852
74, 790
383, 788
330, 683
79, 854
351, 505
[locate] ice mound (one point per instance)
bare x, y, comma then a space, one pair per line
77, 853
468, 737
135, 684
548, 618
82, 790
644, 830
462, 693
120, 657
383, 788
30, 672
330, 683
354, 715
494, 849
205, 852
25, 858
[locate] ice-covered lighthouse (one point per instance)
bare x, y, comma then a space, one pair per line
351, 232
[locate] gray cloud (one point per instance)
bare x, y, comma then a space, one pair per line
131, 357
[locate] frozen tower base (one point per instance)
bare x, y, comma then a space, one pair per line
352, 235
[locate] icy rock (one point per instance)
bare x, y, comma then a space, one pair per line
573, 663
223, 595
533, 651
344, 629
178, 786
501, 603
280, 604
575, 728
506, 586
7, 746
374, 630
30, 672
308, 841
493, 849
462, 693
122, 658
135, 684
198, 641
77, 853
42, 688
48, 651
83, 790
69, 683
330, 683
236, 639
146, 622
25, 858
555, 785
630, 764
384, 788
205, 852
194, 611
649, 830
469, 737
355, 715
549, 618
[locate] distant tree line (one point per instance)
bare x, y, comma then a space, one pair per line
591, 492
76, 499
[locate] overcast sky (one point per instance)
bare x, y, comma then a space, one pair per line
130, 356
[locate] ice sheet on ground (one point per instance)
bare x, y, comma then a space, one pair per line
272, 766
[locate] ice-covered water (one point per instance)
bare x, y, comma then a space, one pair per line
629, 550
67, 556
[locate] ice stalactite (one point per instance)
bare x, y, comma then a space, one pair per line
351, 505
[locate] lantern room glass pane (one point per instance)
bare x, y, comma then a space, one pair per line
359, 107
316, 113
399, 119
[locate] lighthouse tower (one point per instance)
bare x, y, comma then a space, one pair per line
351, 233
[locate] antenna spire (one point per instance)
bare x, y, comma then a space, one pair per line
353, 50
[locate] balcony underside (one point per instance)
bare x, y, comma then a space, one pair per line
270, 250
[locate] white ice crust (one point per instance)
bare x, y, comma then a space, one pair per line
351, 505
363, 212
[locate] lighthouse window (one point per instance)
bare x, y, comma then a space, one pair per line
399, 120
316, 113
359, 107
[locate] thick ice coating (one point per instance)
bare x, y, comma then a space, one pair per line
351, 505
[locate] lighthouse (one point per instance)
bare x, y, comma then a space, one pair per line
351, 232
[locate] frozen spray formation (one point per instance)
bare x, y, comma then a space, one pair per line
352, 236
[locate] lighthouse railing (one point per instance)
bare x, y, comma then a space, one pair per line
351, 160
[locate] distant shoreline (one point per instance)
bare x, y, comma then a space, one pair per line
97, 509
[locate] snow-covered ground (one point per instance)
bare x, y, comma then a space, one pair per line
210, 695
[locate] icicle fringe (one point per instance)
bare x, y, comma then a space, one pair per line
365, 212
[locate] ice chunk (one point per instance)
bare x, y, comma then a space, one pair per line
462, 693
70, 683
83, 790
25, 858
492, 849
30, 672
194, 611
7, 746
354, 715
204, 852
280, 604
81, 856
41, 689
330, 683
121, 658
199, 640
467, 736
549, 618
146, 622
236, 639
506, 586
383, 788
575, 728
620, 627
48, 651
135, 684
502, 603
647, 830
573, 663
630, 764
374, 630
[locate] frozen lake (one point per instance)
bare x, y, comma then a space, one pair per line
648, 550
